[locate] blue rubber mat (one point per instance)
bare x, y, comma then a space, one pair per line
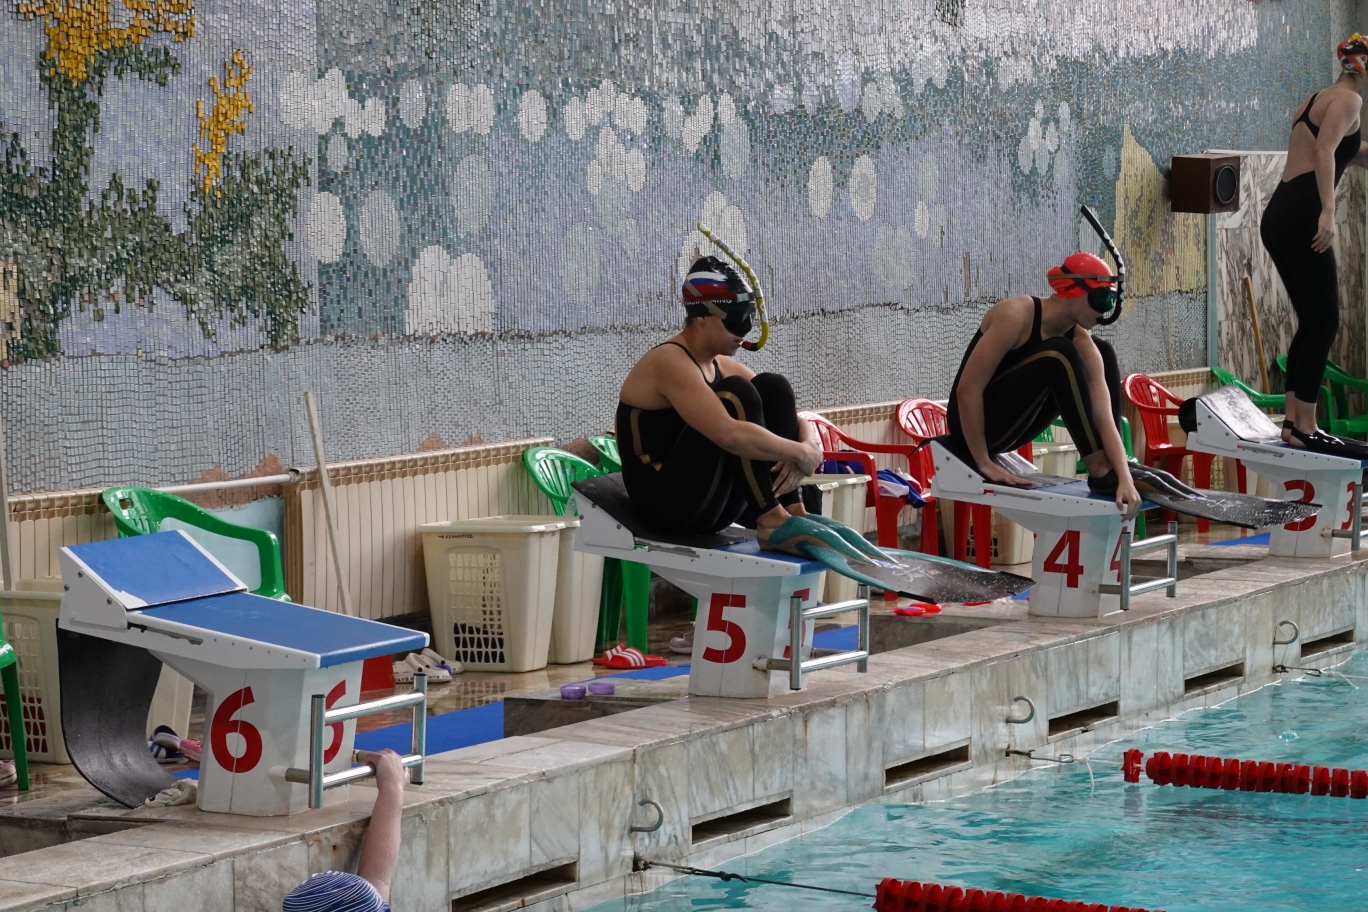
1260, 539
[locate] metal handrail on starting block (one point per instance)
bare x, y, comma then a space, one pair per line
1128, 547
859, 657
320, 717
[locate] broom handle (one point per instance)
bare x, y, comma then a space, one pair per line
325, 486
1258, 336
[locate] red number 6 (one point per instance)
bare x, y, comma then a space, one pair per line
224, 725
335, 728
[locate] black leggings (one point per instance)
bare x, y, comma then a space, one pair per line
700, 487
1311, 280
1048, 381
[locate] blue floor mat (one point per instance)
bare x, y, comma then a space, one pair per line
846, 638
1260, 539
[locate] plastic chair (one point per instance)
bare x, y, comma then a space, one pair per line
1262, 400
1156, 404
141, 511
14, 710
607, 447
626, 585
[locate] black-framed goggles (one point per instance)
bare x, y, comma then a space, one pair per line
1100, 298
736, 315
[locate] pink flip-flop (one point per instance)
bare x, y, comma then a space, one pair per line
628, 657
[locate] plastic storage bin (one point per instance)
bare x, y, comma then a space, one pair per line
579, 579
843, 499
30, 612
492, 589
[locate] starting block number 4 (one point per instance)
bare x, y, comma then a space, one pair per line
748, 622
1066, 548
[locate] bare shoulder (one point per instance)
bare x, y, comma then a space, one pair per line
660, 368
1013, 312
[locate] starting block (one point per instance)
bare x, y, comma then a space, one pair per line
754, 607
1229, 424
1083, 546
283, 679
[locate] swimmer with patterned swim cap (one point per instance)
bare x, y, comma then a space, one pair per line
1298, 231
1033, 360
706, 441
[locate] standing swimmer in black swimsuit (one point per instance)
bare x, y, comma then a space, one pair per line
1034, 360
1298, 230
703, 437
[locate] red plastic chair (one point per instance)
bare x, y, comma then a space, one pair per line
922, 419
1155, 404
886, 509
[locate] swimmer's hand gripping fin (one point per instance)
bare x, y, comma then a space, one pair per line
754, 279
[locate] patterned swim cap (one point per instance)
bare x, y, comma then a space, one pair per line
334, 891
1353, 54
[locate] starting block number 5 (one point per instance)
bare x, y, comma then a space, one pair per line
250, 744
734, 632
1067, 548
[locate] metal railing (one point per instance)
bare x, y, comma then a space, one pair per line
320, 717
798, 615
1128, 547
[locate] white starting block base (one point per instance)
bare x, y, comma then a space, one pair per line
742, 633
1077, 555
260, 660
1229, 424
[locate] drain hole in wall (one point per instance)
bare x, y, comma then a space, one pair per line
1084, 719
762, 816
923, 767
1326, 643
1226, 674
524, 891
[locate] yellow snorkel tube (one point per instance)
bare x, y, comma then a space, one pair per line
755, 286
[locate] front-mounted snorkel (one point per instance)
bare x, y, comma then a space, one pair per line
755, 286
1107, 242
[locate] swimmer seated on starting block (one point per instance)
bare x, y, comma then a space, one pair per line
1035, 360
368, 889
707, 441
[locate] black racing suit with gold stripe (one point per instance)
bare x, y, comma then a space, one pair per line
1034, 384
682, 482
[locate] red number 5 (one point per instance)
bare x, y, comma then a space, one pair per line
736, 635
224, 725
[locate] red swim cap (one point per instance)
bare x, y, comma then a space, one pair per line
1080, 272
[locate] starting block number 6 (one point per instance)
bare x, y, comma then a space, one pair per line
1067, 547
224, 725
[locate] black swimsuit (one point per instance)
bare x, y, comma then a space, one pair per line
1311, 279
682, 482
1034, 384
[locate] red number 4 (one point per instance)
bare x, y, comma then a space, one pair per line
736, 635
1068, 548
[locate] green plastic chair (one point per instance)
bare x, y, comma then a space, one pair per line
141, 511
1343, 422
607, 447
14, 709
626, 585
1262, 400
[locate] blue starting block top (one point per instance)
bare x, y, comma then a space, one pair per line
176, 599
240, 616
752, 548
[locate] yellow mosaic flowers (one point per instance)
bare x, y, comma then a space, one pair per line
77, 30
232, 104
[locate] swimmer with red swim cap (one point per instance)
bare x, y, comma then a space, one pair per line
1034, 360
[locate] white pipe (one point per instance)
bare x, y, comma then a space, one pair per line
325, 488
294, 476
5, 565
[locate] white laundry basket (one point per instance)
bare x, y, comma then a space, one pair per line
843, 499
579, 580
492, 589
30, 611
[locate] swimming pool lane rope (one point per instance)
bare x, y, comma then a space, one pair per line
643, 864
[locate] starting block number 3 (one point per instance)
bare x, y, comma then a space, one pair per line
224, 724
1308, 494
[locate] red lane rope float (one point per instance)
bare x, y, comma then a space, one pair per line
1231, 774
912, 896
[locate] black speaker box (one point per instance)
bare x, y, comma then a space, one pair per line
1204, 183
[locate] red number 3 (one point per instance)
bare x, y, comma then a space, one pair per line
224, 725
736, 635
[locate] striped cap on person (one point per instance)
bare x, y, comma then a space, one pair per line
335, 891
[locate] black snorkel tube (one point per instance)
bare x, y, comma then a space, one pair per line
1115, 313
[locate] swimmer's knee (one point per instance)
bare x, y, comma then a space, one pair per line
741, 399
775, 391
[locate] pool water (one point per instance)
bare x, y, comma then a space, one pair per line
1059, 832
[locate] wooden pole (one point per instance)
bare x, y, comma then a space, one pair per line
1258, 336
5, 564
325, 487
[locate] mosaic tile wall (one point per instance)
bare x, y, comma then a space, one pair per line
462, 219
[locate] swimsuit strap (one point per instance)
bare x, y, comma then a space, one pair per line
1035, 321
1306, 117
716, 374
